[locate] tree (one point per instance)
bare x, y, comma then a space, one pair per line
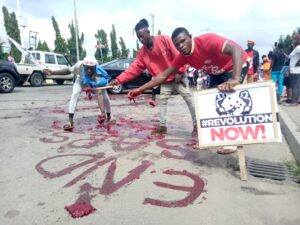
102, 42
137, 49
159, 32
13, 31
42, 46
60, 43
287, 41
115, 52
3, 55
124, 50
71, 42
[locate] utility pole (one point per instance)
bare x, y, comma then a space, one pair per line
32, 35
22, 23
76, 31
152, 18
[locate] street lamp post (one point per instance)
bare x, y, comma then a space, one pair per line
76, 31
152, 17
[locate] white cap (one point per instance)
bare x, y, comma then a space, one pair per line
89, 61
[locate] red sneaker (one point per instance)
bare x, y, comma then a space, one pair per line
101, 118
152, 102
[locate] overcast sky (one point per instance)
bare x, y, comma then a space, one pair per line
239, 20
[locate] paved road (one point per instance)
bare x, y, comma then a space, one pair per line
128, 176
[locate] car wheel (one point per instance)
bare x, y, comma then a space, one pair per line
7, 83
117, 89
60, 82
36, 80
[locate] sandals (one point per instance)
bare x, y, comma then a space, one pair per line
68, 126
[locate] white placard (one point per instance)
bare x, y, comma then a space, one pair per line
247, 116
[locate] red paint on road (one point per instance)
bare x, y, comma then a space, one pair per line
193, 191
80, 209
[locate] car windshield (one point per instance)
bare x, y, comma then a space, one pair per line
117, 64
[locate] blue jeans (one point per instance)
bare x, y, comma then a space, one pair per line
278, 76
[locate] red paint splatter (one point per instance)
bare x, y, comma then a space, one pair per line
58, 111
109, 186
58, 138
56, 124
80, 209
193, 191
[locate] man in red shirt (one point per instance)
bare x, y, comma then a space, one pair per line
156, 56
224, 60
253, 62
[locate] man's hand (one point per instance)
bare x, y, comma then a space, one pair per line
228, 86
48, 72
134, 93
113, 83
178, 78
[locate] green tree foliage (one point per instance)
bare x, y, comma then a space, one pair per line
3, 55
12, 30
60, 43
124, 50
42, 46
137, 49
288, 40
101, 38
71, 42
115, 52
159, 32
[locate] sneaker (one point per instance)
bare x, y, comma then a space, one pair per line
195, 131
288, 100
101, 118
159, 130
226, 150
152, 102
291, 104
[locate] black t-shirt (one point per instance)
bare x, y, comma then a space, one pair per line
278, 60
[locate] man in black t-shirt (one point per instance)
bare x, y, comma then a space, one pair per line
277, 68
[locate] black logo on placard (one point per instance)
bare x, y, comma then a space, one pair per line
233, 104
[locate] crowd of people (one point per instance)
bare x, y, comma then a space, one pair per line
179, 62
275, 66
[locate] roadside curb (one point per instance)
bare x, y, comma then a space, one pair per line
291, 133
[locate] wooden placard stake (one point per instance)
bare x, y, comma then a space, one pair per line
242, 163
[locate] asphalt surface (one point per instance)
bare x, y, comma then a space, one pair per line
127, 175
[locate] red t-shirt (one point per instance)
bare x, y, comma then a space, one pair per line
251, 56
156, 60
208, 55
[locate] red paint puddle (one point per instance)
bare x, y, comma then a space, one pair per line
58, 111
56, 124
61, 149
80, 209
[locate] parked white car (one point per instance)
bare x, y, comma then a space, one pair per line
53, 61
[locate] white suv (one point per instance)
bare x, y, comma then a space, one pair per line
53, 61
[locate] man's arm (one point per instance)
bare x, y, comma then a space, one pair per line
236, 52
159, 79
65, 71
133, 71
